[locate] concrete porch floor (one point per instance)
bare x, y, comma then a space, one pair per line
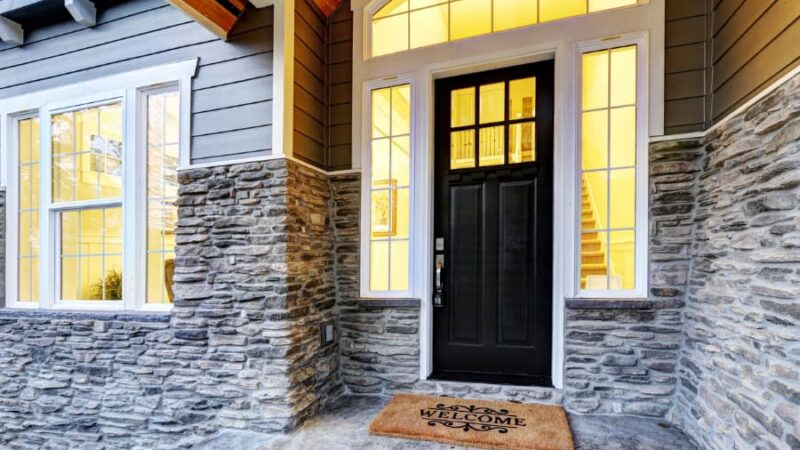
344, 426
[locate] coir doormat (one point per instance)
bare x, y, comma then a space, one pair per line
475, 423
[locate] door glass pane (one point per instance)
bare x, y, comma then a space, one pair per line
401, 169
381, 113
462, 107
492, 102
429, 26
380, 162
87, 158
401, 110
559, 9
522, 142
514, 13
462, 149
491, 146
522, 98
594, 89
470, 18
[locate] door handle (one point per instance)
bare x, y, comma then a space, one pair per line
438, 288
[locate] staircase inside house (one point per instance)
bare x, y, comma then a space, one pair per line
593, 253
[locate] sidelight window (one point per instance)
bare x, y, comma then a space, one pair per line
408, 24
389, 190
93, 214
610, 197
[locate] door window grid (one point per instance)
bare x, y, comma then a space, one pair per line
162, 193
28, 209
407, 24
506, 128
608, 170
390, 189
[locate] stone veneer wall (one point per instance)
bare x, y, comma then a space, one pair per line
240, 349
740, 365
622, 356
379, 340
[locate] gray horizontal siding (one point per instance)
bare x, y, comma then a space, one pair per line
232, 98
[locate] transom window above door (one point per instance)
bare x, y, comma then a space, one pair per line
407, 24
493, 124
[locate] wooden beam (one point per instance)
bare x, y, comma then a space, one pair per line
11, 31
327, 6
83, 11
218, 16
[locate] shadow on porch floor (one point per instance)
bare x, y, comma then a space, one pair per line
344, 426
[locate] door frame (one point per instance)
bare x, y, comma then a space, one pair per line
561, 41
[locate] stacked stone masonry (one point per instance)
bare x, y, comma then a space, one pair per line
740, 364
240, 349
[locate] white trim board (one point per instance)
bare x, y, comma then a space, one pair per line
230, 162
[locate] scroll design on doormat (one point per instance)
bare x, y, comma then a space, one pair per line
471, 418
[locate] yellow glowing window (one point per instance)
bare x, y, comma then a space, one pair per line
390, 201
608, 169
406, 24
28, 209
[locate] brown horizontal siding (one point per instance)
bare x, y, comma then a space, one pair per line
309, 89
340, 90
686, 66
755, 42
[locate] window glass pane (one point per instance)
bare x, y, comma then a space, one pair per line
623, 198
379, 266
492, 104
522, 98
400, 161
401, 110
462, 107
594, 262
470, 18
163, 110
393, 7
622, 260
522, 142
390, 35
381, 113
87, 159
623, 76
559, 9
595, 80
462, 149
600, 5
623, 136
491, 146
429, 26
28, 210
514, 13
608, 147
390, 172
399, 266
594, 200
594, 140
418, 4
380, 162
91, 254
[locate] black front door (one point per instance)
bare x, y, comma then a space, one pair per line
493, 226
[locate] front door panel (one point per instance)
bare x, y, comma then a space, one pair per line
494, 212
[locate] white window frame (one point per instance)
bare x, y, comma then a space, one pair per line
366, 188
640, 40
376, 6
131, 88
550, 40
